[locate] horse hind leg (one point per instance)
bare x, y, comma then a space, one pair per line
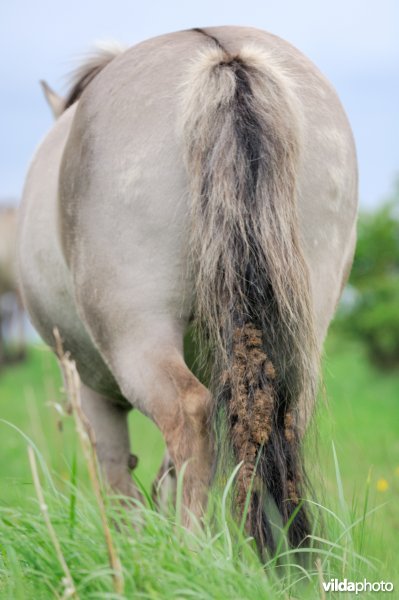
156, 378
164, 487
109, 424
186, 431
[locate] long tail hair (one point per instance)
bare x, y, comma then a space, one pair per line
253, 302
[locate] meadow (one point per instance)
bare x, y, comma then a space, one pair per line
353, 461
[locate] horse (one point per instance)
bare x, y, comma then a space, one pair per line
11, 310
203, 180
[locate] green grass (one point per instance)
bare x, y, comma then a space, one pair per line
31, 398
361, 416
159, 559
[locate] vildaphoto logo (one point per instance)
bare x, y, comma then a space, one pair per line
335, 585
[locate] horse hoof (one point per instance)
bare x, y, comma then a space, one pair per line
132, 461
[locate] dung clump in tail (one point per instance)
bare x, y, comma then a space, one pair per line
253, 303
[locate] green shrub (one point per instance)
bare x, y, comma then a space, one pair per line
374, 314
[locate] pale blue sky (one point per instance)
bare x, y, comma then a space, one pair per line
354, 42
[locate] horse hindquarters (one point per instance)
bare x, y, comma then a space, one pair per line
125, 221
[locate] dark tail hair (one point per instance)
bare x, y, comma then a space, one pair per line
253, 302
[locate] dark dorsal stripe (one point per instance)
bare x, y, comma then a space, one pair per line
211, 37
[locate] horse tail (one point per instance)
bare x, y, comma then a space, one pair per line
253, 302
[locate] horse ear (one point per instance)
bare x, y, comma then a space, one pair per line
55, 102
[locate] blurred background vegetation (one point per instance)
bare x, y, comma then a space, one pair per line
370, 310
